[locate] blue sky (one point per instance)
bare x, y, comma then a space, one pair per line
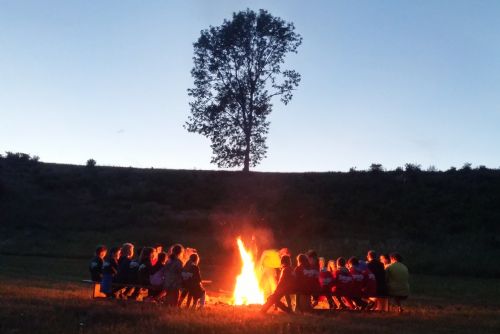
387, 82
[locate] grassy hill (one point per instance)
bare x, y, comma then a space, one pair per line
442, 222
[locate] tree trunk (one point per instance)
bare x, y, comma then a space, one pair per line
246, 162
246, 167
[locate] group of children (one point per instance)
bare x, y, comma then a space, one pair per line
172, 276
153, 275
346, 284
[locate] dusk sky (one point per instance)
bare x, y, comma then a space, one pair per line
388, 82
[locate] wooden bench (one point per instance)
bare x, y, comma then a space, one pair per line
96, 287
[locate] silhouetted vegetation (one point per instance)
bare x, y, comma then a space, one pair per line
443, 222
91, 163
237, 71
20, 158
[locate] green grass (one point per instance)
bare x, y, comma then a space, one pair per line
43, 295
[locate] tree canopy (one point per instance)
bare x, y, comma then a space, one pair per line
237, 71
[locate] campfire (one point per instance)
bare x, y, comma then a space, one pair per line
247, 290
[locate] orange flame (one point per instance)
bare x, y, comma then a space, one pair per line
247, 290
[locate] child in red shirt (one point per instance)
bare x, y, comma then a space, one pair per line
342, 285
326, 282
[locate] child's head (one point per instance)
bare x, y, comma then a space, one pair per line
286, 261
285, 251
302, 260
371, 255
312, 256
340, 262
146, 255
115, 253
158, 247
353, 262
177, 250
331, 266
162, 258
101, 251
384, 258
396, 257
194, 258
128, 250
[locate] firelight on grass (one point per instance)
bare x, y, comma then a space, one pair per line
247, 290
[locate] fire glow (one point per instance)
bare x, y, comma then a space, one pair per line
247, 290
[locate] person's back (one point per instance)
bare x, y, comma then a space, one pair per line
193, 278
123, 273
342, 281
95, 268
156, 273
110, 267
377, 268
145, 266
133, 271
397, 277
325, 279
303, 284
301, 279
173, 273
95, 265
357, 281
286, 282
109, 271
285, 286
369, 283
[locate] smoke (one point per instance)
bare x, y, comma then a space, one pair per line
251, 228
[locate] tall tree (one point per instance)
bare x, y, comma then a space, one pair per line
237, 71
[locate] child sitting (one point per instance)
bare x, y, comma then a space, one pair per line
127, 253
302, 287
342, 285
358, 282
326, 282
192, 281
313, 276
397, 277
95, 265
156, 275
173, 275
285, 286
109, 271
144, 270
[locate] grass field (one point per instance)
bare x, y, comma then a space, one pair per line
43, 295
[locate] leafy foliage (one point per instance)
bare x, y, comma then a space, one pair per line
19, 157
237, 71
376, 168
91, 163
